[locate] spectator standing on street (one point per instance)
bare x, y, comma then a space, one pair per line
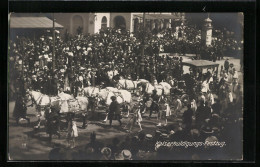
226, 65
20, 108
187, 118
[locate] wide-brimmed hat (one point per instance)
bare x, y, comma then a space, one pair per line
148, 136
126, 154
211, 139
207, 130
158, 132
164, 135
106, 151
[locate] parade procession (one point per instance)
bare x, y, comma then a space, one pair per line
114, 88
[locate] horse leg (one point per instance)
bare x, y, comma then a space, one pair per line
50, 137
105, 120
151, 112
38, 123
84, 117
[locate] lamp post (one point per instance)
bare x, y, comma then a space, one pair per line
53, 50
142, 64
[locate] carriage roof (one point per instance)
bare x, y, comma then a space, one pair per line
201, 63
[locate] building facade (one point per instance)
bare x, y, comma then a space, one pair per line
92, 22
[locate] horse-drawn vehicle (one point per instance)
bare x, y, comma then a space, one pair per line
63, 103
204, 71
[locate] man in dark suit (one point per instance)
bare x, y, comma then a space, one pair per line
154, 106
187, 118
114, 111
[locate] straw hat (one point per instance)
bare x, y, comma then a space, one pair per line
211, 139
164, 135
148, 136
126, 154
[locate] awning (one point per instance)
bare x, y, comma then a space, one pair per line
200, 63
157, 16
33, 22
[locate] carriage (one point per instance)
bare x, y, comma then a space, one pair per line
200, 69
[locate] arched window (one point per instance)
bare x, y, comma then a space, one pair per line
77, 24
166, 24
156, 24
119, 22
104, 22
136, 24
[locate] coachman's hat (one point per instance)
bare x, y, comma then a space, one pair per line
113, 98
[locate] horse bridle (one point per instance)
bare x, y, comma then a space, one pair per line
119, 84
32, 99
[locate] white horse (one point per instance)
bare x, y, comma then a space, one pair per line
70, 104
122, 96
42, 101
149, 88
74, 105
91, 91
65, 102
166, 87
129, 84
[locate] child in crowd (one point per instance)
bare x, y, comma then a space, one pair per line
72, 132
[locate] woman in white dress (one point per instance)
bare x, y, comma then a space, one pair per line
165, 112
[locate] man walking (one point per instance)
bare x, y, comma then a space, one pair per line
114, 111
226, 65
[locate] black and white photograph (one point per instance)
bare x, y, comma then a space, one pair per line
125, 86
